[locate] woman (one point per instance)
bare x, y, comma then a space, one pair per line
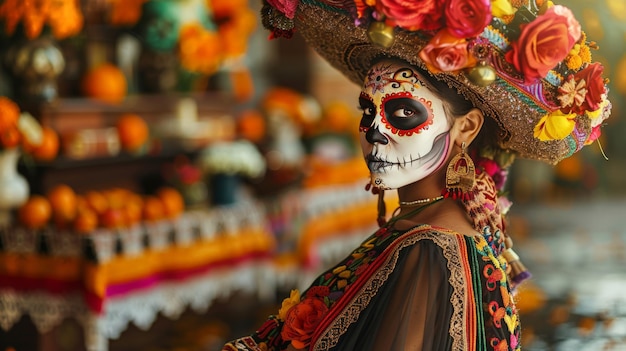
452, 90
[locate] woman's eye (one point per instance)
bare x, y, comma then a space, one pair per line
404, 112
369, 112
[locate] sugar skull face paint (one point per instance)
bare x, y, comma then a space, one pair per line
404, 129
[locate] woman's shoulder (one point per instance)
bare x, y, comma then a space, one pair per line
425, 234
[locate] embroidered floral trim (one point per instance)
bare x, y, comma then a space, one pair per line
330, 336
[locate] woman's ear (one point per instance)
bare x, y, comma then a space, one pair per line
466, 128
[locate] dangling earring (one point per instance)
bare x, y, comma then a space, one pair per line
460, 177
381, 206
382, 209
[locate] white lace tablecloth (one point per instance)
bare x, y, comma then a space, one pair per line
141, 307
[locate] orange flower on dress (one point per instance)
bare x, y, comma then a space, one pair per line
303, 318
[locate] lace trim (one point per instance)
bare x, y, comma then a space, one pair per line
141, 308
450, 247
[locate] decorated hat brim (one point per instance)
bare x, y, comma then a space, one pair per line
332, 33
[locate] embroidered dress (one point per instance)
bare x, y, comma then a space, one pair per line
422, 289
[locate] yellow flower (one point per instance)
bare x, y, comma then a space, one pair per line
585, 54
573, 62
501, 8
339, 269
600, 112
555, 126
288, 303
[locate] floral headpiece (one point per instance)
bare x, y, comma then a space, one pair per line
525, 63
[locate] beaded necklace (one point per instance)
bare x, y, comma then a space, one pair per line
411, 213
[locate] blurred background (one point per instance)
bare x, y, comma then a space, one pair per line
168, 174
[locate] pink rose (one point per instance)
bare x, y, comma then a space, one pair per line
544, 43
468, 18
592, 75
573, 27
594, 135
446, 53
287, 7
413, 14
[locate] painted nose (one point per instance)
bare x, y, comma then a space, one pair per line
374, 136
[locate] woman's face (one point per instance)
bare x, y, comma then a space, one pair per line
404, 131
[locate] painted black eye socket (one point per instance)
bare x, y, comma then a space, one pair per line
369, 112
405, 113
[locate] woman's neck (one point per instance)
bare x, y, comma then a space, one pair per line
448, 213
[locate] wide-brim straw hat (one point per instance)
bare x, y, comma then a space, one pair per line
533, 118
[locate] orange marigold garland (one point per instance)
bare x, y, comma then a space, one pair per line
64, 17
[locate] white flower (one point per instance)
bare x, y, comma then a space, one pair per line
236, 157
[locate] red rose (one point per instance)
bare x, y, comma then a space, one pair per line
287, 7
592, 75
446, 53
544, 43
301, 321
413, 14
468, 18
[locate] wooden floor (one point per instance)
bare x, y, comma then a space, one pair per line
576, 251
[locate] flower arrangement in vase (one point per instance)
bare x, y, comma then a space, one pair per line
225, 162
31, 30
186, 41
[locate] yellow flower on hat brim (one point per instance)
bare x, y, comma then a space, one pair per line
501, 8
555, 126
593, 115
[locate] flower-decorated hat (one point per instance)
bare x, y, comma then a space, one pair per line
525, 63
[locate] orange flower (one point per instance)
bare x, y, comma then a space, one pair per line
125, 12
199, 49
302, 319
446, 53
63, 17
234, 33
544, 43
